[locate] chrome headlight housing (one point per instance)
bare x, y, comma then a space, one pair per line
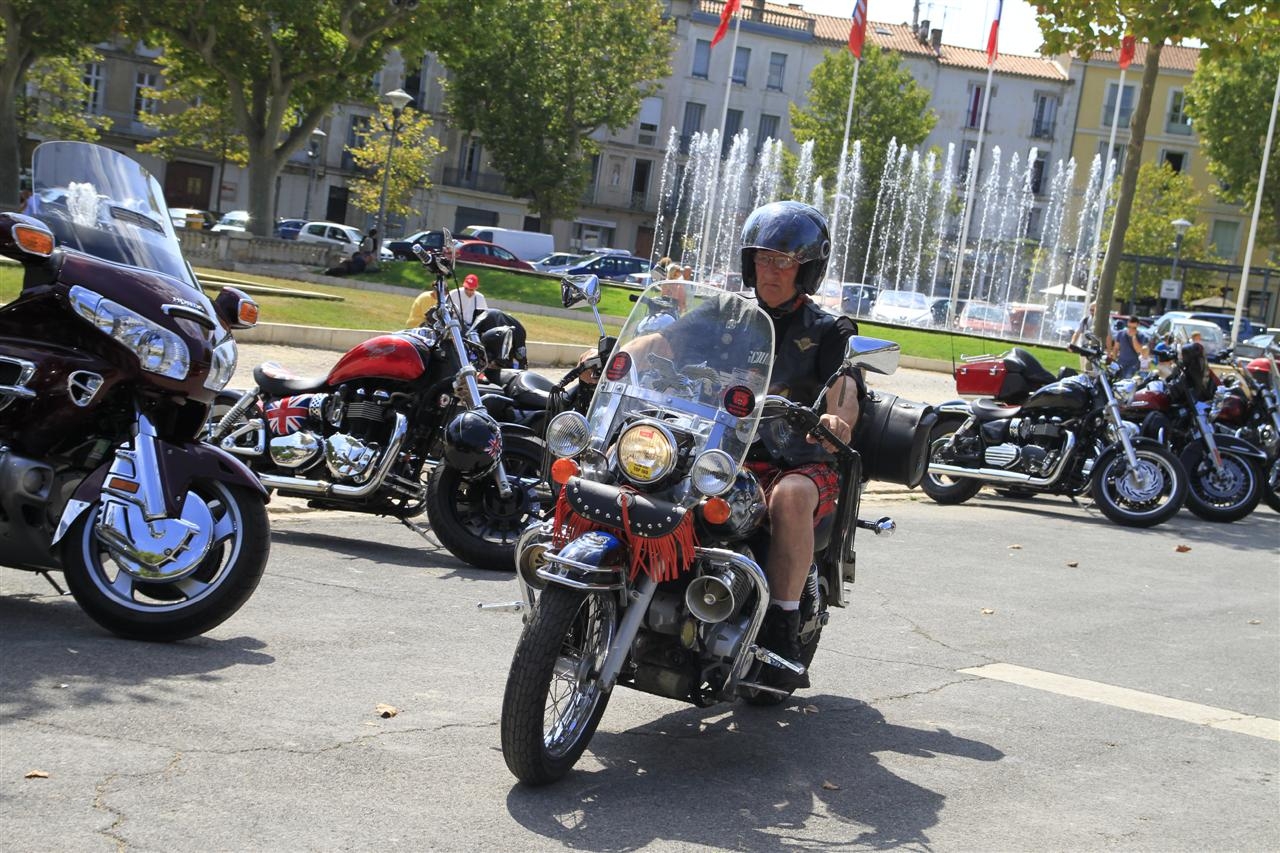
158, 349
567, 434
646, 452
712, 473
224, 365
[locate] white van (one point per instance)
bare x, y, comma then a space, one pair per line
525, 245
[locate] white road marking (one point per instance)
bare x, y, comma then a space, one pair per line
1132, 700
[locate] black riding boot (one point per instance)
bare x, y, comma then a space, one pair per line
780, 634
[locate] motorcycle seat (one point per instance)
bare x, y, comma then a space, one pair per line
1021, 361
990, 410
275, 381
530, 390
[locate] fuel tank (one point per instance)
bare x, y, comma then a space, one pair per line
383, 357
1071, 396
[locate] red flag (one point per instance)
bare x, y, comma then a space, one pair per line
992, 52
1127, 47
730, 7
858, 32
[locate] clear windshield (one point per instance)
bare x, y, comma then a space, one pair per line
100, 202
705, 373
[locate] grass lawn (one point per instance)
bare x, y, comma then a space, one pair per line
371, 310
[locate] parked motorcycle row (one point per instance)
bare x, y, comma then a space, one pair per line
1140, 447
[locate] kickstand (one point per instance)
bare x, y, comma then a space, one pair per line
53, 583
424, 531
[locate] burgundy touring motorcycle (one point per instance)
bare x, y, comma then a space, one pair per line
110, 358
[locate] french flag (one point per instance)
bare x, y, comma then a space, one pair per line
992, 51
858, 32
1128, 46
730, 7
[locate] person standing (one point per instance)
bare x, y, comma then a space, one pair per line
467, 300
1126, 348
1084, 327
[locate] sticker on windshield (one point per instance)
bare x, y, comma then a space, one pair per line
619, 367
739, 401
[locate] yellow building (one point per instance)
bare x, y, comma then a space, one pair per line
1170, 138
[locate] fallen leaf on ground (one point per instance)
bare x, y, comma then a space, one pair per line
830, 786
385, 711
1182, 549
1015, 547
809, 709
1073, 563
1255, 621
987, 611
36, 774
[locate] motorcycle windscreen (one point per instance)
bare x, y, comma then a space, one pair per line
100, 202
705, 374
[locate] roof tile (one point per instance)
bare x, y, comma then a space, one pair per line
1173, 57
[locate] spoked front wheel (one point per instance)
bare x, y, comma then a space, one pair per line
1140, 496
554, 701
1226, 493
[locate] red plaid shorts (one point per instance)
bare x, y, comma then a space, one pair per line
822, 474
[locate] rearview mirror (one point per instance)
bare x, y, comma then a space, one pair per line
874, 354
575, 289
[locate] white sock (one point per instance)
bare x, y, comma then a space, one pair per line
785, 605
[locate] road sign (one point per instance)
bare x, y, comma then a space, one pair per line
1170, 288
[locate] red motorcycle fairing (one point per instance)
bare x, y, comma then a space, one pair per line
383, 357
1150, 401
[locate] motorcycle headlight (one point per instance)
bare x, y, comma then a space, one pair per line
158, 349
567, 434
713, 473
224, 365
646, 453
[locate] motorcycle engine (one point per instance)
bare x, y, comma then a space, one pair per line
351, 454
1039, 442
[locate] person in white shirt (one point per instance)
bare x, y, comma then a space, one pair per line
468, 300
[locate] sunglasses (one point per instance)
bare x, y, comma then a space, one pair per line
775, 260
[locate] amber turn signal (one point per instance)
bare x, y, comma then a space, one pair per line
716, 510
248, 312
33, 240
563, 469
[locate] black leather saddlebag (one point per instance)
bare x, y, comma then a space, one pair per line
893, 438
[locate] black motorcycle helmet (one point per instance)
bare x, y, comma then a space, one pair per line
472, 443
794, 229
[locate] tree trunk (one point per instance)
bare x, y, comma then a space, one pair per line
263, 168
1128, 183
10, 147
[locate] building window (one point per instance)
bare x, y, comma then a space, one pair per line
741, 60
650, 116
692, 124
93, 77
356, 132
973, 112
143, 104
1126, 105
768, 128
970, 149
1046, 113
1035, 221
732, 124
1225, 238
777, 71
1178, 122
469, 159
1037, 174
1176, 160
1117, 154
701, 59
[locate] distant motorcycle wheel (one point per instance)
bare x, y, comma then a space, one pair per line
473, 520
553, 702
186, 607
1221, 495
1149, 498
1271, 489
944, 489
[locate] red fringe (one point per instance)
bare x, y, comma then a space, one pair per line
662, 558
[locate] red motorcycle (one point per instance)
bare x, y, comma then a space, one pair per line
397, 427
109, 360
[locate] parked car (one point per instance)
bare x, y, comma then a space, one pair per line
1182, 330
1026, 319
556, 260
1258, 345
938, 309
1225, 322
193, 218
1064, 318
730, 281
483, 252
610, 266
344, 238
525, 245
236, 220
287, 229
402, 250
856, 299
906, 307
985, 318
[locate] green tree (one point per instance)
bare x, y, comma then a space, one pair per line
56, 107
283, 65
889, 104
410, 163
1228, 101
31, 30
1084, 26
536, 78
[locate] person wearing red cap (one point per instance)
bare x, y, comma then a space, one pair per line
467, 300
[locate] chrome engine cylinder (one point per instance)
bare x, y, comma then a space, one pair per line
348, 457
295, 450
717, 594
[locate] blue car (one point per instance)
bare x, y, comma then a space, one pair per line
287, 229
611, 266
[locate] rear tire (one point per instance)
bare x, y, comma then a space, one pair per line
943, 489
1153, 500
1225, 497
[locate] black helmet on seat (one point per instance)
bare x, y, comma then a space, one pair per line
794, 229
472, 443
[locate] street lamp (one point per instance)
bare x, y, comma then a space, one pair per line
1180, 227
313, 154
399, 99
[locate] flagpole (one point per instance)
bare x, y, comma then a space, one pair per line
703, 258
971, 180
1108, 174
1257, 207
844, 156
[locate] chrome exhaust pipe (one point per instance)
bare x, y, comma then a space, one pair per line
1000, 475
325, 489
718, 594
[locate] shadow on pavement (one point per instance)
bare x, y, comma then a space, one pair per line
412, 557
748, 779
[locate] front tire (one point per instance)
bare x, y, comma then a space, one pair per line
1223, 496
553, 703
174, 610
1151, 498
473, 520
943, 489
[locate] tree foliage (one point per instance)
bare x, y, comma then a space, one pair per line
411, 158
1229, 102
55, 109
283, 65
536, 78
193, 113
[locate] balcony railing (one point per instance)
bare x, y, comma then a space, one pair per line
485, 182
1040, 130
762, 14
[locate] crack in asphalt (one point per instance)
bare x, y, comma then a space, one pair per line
920, 631
927, 692
100, 793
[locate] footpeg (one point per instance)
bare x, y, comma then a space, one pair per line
764, 688
882, 525
762, 654
504, 607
